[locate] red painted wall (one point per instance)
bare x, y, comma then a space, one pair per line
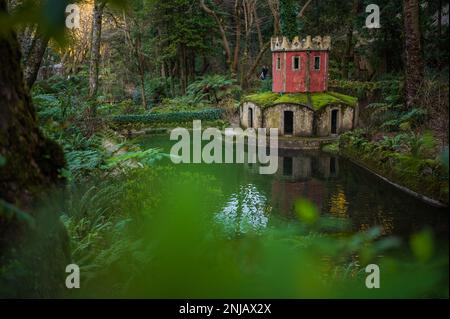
288, 80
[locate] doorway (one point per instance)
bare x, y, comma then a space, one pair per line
250, 118
288, 122
334, 122
333, 166
287, 166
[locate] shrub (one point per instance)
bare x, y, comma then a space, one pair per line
208, 115
265, 86
214, 87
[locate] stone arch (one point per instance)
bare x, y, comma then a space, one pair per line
256, 113
303, 118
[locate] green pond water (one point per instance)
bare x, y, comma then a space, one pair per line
338, 187
226, 231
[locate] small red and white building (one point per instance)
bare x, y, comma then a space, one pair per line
300, 66
300, 103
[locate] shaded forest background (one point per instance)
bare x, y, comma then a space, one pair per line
64, 94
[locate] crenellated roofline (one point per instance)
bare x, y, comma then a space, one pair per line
318, 43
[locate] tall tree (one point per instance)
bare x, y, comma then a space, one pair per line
349, 40
288, 17
134, 30
231, 58
97, 16
33, 42
414, 66
34, 57
29, 163
30, 159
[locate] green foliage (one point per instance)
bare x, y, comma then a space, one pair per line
200, 95
128, 107
288, 18
97, 232
395, 120
215, 87
9, 213
421, 145
331, 148
63, 116
183, 103
306, 211
265, 85
390, 114
208, 115
408, 159
263, 99
156, 89
147, 157
2, 160
124, 238
314, 100
422, 245
349, 100
390, 89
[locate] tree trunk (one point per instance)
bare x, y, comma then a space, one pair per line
237, 45
414, 68
31, 159
182, 68
349, 44
225, 42
34, 58
274, 7
141, 68
258, 28
95, 47
30, 163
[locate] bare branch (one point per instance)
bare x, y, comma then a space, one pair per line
302, 11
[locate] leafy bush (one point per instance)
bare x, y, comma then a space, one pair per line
404, 120
127, 240
181, 104
408, 159
127, 107
265, 86
156, 89
214, 87
208, 115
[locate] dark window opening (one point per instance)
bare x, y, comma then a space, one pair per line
287, 166
334, 121
288, 122
333, 165
250, 117
296, 63
278, 63
317, 63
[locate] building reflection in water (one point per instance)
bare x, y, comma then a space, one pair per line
246, 210
302, 176
335, 186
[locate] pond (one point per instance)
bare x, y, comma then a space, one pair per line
338, 187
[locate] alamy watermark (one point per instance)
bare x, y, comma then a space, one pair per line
73, 17
73, 279
373, 280
234, 140
373, 19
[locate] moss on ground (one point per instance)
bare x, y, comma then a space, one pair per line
262, 99
316, 101
349, 100
332, 148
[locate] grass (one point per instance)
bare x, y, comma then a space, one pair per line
316, 101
